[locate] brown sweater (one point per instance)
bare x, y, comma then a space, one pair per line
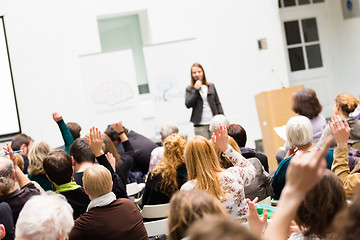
119, 220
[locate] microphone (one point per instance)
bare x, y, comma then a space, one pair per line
278, 78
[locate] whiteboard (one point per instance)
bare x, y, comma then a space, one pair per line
9, 121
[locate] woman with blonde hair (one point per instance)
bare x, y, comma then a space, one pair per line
36, 171
206, 173
169, 175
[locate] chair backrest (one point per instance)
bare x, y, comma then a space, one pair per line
155, 211
132, 189
158, 227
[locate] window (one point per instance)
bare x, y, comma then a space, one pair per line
303, 44
291, 3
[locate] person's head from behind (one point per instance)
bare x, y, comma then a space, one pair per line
97, 181
218, 120
188, 206
58, 167
345, 104
225, 162
167, 129
321, 204
108, 146
238, 133
172, 158
80, 151
45, 217
37, 155
197, 73
75, 129
22, 142
214, 227
113, 135
306, 103
7, 176
202, 165
299, 131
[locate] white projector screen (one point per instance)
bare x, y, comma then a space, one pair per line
9, 120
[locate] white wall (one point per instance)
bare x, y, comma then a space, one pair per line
46, 39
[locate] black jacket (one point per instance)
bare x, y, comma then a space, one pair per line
193, 100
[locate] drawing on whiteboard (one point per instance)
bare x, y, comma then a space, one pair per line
112, 92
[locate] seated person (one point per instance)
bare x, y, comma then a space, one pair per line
6, 222
169, 175
47, 216
16, 198
24, 143
299, 134
218, 120
106, 217
238, 133
166, 130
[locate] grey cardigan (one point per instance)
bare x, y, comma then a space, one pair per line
193, 100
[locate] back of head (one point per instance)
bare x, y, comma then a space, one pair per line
36, 156
306, 103
167, 129
97, 181
81, 152
299, 131
238, 133
225, 162
7, 176
58, 167
347, 102
217, 120
45, 217
109, 147
215, 227
19, 140
113, 135
188, 206
321, 204
75, 129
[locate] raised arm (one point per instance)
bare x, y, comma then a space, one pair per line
21, 178
65, 132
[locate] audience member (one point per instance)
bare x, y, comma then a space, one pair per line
188, 206
23, 143
299, 134
205, 172
218, 120
166, 130
344, 105
6, 222
106, 217
16, 198
45, 217
36, 171
142, 147
261, 186
65, 132
169, 175
238, 133
75, 129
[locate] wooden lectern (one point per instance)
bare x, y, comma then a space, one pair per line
274, 110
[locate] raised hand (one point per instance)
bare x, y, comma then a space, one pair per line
95, 141
111, 160
118, 127
221, 139
57, 116
9, 150
340, 131
256, 223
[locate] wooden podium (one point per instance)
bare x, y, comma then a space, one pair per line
274, 110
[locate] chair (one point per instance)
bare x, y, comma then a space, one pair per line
133, 190
266, 201
155, 211
156, 228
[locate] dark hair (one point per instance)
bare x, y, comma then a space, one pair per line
19, 140
238, 133
75, 129
81, 151
58, 167
347, 102
320, 206
113, 135
306, 103
194, 80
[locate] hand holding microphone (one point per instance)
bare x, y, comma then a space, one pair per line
198, 83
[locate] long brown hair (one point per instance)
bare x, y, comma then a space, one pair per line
173, 157
203, 166
194, 80
109, 147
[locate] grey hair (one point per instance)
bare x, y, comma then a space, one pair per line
167, 129
216, 120
45, 217
7, 181
299, 131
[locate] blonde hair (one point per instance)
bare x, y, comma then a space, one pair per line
188, 206
19, 160
347, 102
224, 161
97, 180
173, 157
203, 166
37, 155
